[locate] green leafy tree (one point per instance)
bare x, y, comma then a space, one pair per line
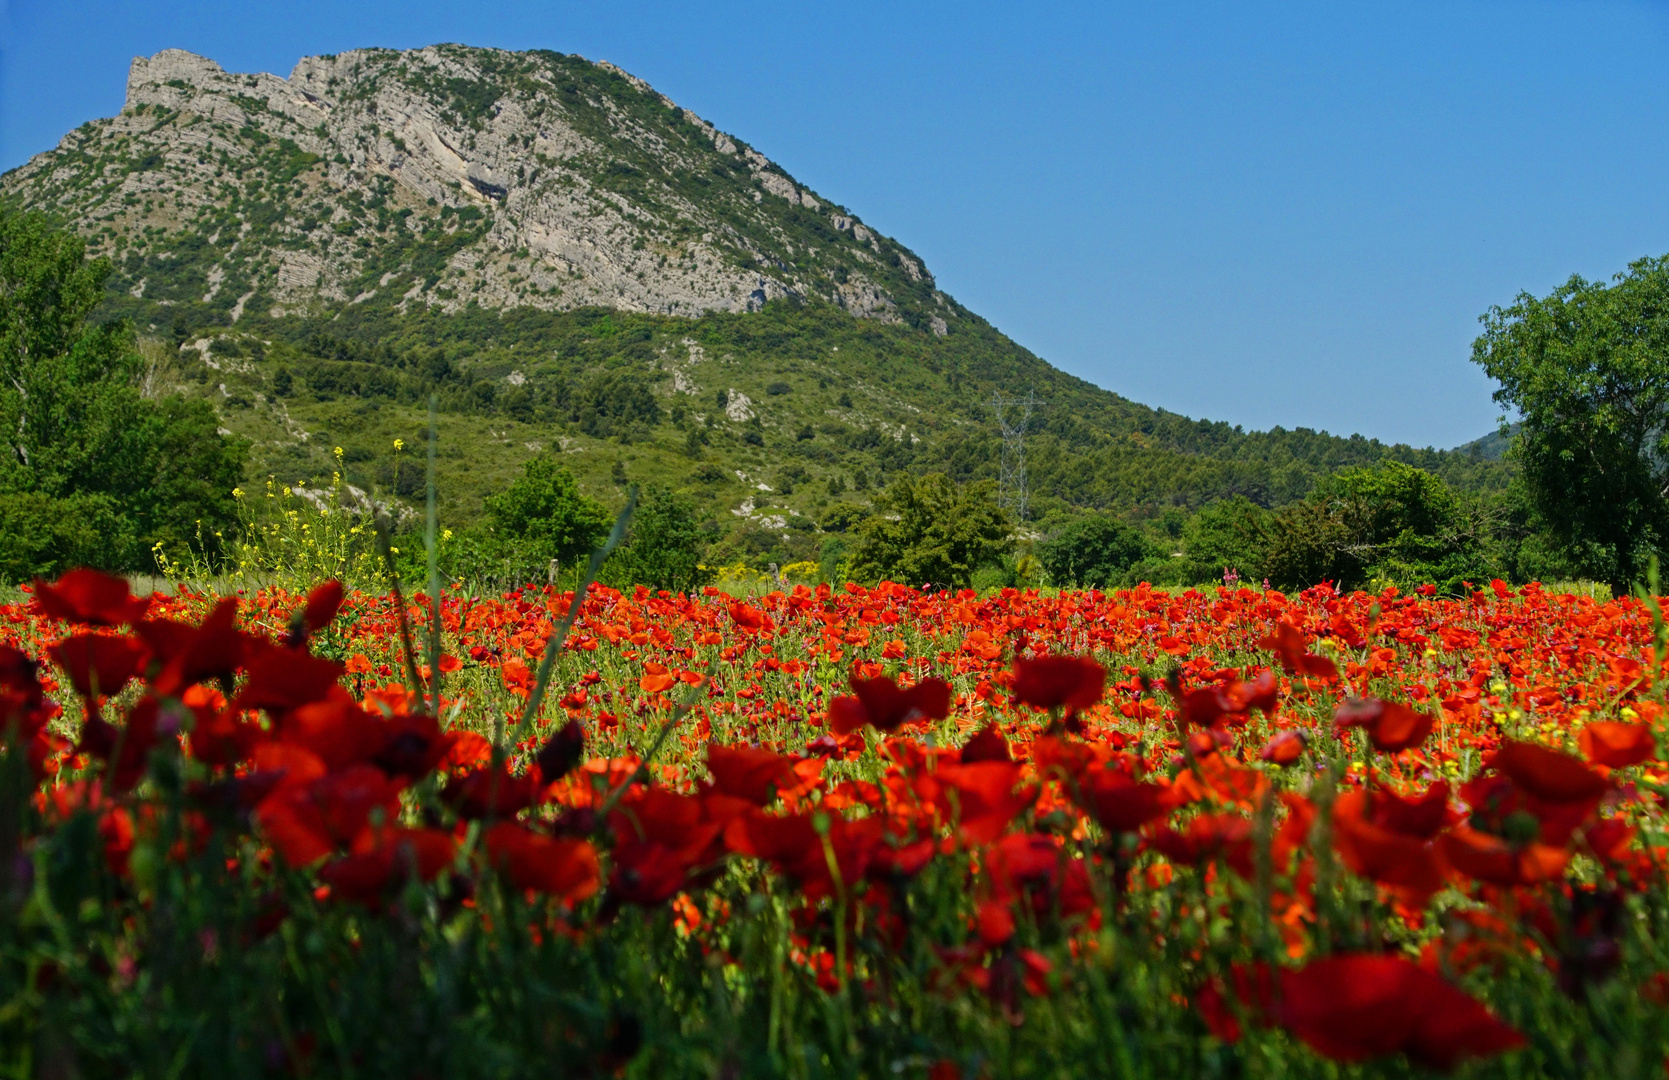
930, 531
1228, 535
91, 472
1587, 368
666, 546
1093, 552
543, 514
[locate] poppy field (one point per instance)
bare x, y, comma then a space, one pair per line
832, 832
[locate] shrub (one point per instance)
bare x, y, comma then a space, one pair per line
38, 533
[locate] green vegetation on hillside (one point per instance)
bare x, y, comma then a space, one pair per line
769, 421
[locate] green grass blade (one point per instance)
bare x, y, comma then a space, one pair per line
431, 536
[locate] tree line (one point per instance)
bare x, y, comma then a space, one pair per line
97, 471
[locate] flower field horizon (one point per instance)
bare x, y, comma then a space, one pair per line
832, 832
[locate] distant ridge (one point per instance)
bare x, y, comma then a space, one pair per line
1491, 447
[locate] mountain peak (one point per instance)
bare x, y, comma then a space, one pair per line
448, 176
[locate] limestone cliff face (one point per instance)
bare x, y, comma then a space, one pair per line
448, 176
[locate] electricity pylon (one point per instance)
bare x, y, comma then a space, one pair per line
1013, 415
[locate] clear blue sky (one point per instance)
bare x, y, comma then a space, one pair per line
1267, 214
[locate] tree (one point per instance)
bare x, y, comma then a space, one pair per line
1391, 524
1092, 552
91, 472
544, 513
542, 516
665, 546
1230, 534
930, 531
1587, 369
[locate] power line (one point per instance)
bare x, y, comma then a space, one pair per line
1013, 416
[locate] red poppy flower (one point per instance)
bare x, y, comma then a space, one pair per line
1119, 802
881, 703
190, 654
1054, 682
774, 837
994, 923
748, 619
128, 747
416, 745
488, 793
792, 843
1203, 706
657, 682
223, 738
18, 677
1019, 860
564, 869
661, 838
306, 822
1289, 645
1423, 817
1407, 864
385, 858
648, 874
1616, 744
1208, 837
749, 773
1207, 705
1609, 839
337, 730
282, 679
1491, 859
88, 596
1262, 693
1354, 1007
1391, 727
903, 861
1548, 774
98, 664
288, 764
986, 799
1285, 748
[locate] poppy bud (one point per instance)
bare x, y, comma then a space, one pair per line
322, 605
987, 745
562, 752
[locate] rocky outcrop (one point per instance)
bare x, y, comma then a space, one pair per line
449, 176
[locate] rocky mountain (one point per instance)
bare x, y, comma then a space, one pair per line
450, 175
568, 261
